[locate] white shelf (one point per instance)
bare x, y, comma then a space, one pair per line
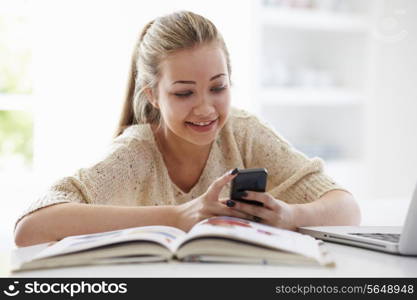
310, 97
320, 116
16, 102
304, 19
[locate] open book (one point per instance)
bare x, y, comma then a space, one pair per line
217, 239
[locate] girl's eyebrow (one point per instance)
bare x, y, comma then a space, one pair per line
193, 82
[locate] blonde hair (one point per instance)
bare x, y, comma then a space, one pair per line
159, 38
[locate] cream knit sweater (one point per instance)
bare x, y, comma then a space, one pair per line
133, 173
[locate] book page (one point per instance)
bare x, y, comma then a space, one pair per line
163, 235
255, 233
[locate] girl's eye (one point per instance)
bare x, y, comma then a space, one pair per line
218, 89
188, 94
183, 95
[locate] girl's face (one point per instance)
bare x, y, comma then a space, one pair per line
194, 94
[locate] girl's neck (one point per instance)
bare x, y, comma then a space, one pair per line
178, 150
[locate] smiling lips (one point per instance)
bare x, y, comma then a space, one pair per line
202, 126
201, 123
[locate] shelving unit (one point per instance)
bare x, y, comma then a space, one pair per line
312, 19
311, 67
310, 97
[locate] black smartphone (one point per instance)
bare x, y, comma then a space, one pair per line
248, 180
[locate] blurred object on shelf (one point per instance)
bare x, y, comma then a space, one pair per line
280, 74
326, 5
314, 77
277, 73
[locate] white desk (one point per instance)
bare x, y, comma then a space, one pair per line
350, 262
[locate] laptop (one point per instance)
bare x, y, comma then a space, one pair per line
393, 239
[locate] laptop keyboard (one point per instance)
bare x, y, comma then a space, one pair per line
389, 237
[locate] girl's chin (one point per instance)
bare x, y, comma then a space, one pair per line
202, 141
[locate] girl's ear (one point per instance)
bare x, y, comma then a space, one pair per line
151, 97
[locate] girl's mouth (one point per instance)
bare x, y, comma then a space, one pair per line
202, 126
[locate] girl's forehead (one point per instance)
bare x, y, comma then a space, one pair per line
201, 61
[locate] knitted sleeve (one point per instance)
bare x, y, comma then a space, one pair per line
110, 181
292, 176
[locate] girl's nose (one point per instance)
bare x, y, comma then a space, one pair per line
204, 108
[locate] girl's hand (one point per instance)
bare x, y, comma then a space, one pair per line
274, 212
208, 205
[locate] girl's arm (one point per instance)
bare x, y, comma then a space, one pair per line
335, 207
57, 221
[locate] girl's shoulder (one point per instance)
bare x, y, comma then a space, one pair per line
135, 139
239, 113
247, 125
241, 120
137, 132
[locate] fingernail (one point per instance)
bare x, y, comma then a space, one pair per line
230, 203
257, 219
234, 171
